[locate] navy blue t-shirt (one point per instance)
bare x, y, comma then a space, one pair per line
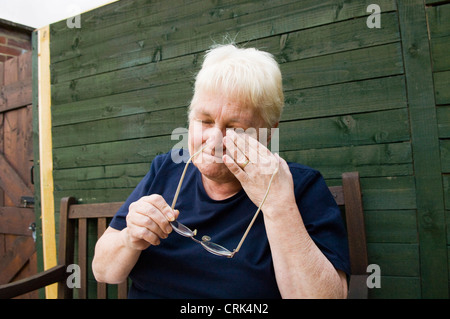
182, 268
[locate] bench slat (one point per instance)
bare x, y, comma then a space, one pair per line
101, 287
82, 259
94, 210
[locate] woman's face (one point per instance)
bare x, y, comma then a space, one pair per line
211, 116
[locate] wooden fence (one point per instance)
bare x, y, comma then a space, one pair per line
357, 98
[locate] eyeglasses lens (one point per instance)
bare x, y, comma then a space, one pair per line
208, 245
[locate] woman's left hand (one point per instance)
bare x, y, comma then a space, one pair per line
253, 165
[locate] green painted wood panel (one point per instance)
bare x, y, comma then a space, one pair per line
393, 159
242, 20
425, 146
121, 128
446, 183
443, 117
442, 83
123, 104
439, 31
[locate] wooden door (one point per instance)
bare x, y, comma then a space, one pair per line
17, 245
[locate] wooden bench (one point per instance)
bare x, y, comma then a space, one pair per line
74, 216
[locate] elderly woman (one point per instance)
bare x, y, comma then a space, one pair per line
295, 248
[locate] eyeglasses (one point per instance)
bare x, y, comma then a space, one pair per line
206, 240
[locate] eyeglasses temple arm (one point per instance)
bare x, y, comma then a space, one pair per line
182, 176
256, 214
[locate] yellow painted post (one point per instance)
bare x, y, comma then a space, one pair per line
45, 156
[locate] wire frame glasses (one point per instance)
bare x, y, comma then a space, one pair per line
205, 241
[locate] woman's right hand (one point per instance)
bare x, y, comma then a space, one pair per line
148, 221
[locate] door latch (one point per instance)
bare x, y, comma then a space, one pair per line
32, 227
27, 201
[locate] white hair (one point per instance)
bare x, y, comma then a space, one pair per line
248, 75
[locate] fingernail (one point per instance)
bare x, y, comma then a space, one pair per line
170, 216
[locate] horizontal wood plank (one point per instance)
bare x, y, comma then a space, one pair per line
12, 183
130, 151
438, 21
121, 128
342, 67
15, 95
392, 159
114, 176
98, 210
15, 86
16, 220
386, 193
446, 185
391, 226
396, 259
150, 75
367, 96
356, 129
441, 85
443, 118
92, 196
439, 53
123, 104
397, 287
445, 155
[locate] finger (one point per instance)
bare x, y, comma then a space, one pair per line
145, 234
146, 207
241, 149
141, 226
260, 157
236, 154
234, 168
246, 142
138, 233
252, 149
160, 203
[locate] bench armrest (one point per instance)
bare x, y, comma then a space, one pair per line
40, 280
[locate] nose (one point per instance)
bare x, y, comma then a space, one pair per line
214, 139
